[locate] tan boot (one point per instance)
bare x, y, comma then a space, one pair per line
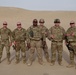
40, 62
0, 60
29, 63
70, 65
8, 61
52, 63
48, 60
24, 61
60, 63
17, 61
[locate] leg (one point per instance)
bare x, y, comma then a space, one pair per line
8, 53
1, 51
72, 53
31, 54
46, 53
39, 51
53, 52
71, 60
17, 53
23, 50
60, 50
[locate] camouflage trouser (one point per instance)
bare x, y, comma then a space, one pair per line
72, 53
20, 46
5, 44
38, 46
45, 49
59, 47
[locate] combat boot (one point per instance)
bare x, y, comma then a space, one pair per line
24, 61
8, 61
52, 63
71, 64
40, 62
29, 63
48, 60
17, 61
60, 63
0, 60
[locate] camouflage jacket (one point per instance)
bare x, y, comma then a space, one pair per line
44, 30
70, 31
6, 34
19, 35
35, 33
58, 32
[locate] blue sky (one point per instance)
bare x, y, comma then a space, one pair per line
41, 4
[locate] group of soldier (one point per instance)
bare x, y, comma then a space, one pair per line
34, 38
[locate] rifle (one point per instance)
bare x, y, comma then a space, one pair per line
43, 45
31, 32
68, 44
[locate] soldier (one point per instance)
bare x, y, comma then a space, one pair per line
19, 37
6, 41
45, 32
71, 36
34, 42
56, 34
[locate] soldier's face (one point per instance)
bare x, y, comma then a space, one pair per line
18, 26
72, 24
57, 24
34, 24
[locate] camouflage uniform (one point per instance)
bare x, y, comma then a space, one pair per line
5, 42
19, 36
45, 49
56, 43
34, 38
72, 40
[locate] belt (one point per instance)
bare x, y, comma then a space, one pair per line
56, 41
72, 41
21, 41
34, 40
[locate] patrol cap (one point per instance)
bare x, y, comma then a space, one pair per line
56, 21
18, 23
4, 23
41, 21
72, 22
35, 21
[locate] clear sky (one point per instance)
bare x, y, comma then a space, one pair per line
41, 4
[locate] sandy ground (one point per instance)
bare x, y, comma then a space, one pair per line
12, 16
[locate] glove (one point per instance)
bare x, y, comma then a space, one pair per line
44, 43
28, 45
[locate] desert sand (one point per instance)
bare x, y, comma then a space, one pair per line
13, 15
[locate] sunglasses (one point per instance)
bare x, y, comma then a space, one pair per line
18, 24
4, 24
72, 23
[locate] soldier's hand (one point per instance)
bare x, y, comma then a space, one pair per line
10, 44
72, 34
46, 34
28, 45
14, 43
52, 36
44, 43
68, 34
66, 43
